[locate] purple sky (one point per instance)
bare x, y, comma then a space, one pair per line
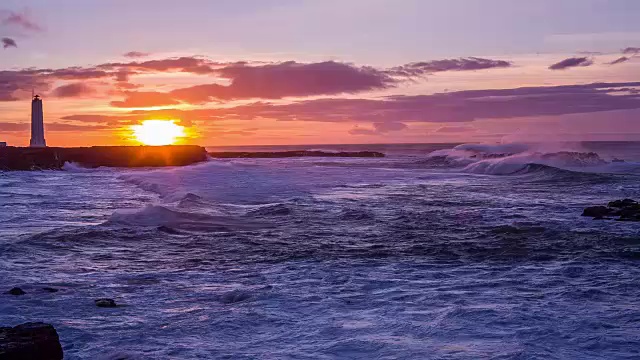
325, 71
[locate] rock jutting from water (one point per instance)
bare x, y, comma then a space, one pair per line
621, 210
30, 341
105, 303
16, 291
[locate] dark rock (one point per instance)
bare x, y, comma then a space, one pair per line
51, 158
49, 289
597, 211
106, 303
622, 203
30, 341
235, 296
621, 210
16, 291
629, 212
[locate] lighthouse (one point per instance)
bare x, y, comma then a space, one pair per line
37, 123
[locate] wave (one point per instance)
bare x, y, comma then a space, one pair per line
518, 159
165, 218
74, 167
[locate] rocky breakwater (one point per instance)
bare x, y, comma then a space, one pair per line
297, 153
621, 210
30, 341
52, 158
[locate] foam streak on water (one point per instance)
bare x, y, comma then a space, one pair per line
460, 252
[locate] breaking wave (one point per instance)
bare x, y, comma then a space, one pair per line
518, 159
166, 218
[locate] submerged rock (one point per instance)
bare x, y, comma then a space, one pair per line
235, 296
621, 210
50, 289
597, 211
30, 341
106, 303
16, 291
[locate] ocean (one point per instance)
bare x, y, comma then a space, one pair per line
437, 251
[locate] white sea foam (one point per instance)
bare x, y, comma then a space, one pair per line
74, 167
512, 158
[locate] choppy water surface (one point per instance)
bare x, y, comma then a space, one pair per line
432, 252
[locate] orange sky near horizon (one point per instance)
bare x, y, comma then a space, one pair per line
203, 95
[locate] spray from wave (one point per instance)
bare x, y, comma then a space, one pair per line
522, 158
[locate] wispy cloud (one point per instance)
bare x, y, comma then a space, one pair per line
73, 90
136, 54
572, 62
631, 51
379, 128
462, 64
619, 60
19, 20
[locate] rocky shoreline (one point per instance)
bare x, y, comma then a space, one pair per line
620, 210
52, 158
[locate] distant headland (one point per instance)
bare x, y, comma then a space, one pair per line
295, 153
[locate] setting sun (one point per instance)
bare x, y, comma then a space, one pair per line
158, 132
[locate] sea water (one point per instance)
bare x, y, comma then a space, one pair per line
433, 252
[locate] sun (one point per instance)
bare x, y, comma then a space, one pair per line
158, 132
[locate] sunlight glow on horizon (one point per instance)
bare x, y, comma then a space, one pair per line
158, 132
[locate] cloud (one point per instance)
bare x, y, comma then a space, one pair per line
71, 73
145, 99
18, 20
619, 60
237, 80
379, 128
14, 127
462, 64
276, 81
453, 107
98, 119
55, 126
14, 82
187, 64
631, 51
454, 129
571, 62
62, 127
8, 42
17, 84
73, 90
136, 54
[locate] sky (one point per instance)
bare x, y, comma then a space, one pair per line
261, 72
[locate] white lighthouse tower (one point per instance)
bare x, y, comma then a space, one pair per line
37, 123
